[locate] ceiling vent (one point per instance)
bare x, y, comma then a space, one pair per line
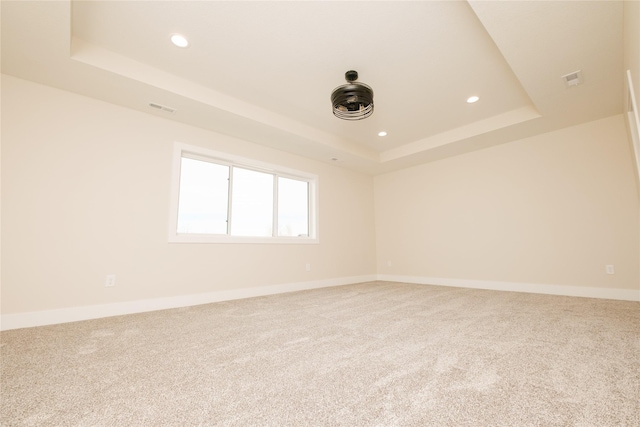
162, 107
353, 101
573, 79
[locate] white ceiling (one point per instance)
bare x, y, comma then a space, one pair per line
264, 70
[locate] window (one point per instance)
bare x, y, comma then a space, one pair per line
219, 198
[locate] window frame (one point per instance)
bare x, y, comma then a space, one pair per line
181, 150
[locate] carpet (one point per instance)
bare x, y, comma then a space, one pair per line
369, 354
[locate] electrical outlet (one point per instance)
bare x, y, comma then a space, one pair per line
110, 281
389, 263
609, 269
308, 266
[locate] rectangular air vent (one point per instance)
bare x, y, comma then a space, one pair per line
162, 107
573, 79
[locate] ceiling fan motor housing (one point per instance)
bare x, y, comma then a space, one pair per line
351, 76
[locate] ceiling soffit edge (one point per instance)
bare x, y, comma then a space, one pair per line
115, 63
510, 118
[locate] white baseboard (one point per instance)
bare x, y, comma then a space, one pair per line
73, 314
565, 290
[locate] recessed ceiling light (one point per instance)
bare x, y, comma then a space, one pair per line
473, 99
179, 40
383, 133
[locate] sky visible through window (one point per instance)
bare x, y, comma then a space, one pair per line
202, 207
293, 207
252, 203
204, 201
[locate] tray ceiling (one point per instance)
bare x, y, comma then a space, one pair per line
264, 71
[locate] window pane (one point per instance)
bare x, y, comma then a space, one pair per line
293, 207
203, 202
252, 203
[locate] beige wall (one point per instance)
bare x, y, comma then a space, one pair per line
552, 209
85, 193
632, 53
632, 42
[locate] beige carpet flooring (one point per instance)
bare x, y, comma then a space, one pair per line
370, 354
